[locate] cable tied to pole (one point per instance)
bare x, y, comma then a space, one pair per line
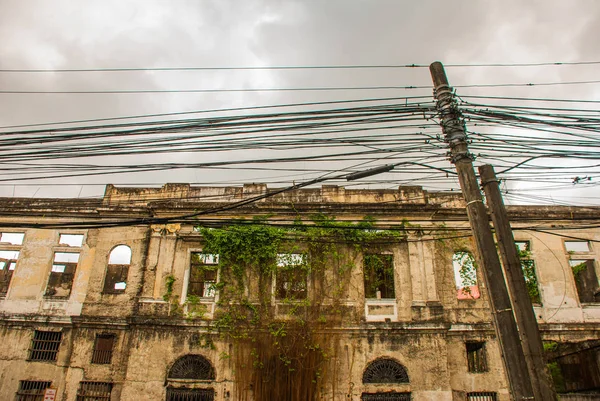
452, 122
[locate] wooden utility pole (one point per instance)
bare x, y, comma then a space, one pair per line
505, 325
524, 314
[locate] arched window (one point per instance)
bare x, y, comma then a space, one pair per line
118, 269
194, 367
385, 370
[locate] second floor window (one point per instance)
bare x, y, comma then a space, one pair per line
117, 270
203, 275
62, 274
529, 273
586, 280
291, 276
8, 263
378, 272
465, 275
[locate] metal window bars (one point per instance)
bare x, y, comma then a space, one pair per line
94, 391
103, 348
31, 390
190, 394
481, 396
390, 396
45, 345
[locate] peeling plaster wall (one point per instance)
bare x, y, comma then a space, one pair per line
427, 334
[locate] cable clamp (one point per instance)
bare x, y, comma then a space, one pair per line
473, 201
484, 183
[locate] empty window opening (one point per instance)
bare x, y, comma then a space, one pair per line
120, 255
577, 246
94, 391
476, 358
45, 345
31, 390
117, 270
291, 277
378, 272
586, 280
12, 238
75, 240
385, 371
481, 396
61, 275
190, 394
103, 348
529, 271
465, 275
203, 275
388, 396
8, 263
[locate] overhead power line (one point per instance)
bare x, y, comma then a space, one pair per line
292, 67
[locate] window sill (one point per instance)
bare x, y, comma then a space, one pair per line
381, 310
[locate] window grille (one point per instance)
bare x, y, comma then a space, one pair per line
378, 272
31, 390
192, 367
476, 358
94, 391
45, 345
481, 396
103, 348
189, 394
385, 370
391, 396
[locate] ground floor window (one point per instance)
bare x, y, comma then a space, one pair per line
190, 394
94, 391
31, 390
391, 396
481, 396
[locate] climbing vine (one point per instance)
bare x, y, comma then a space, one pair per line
280, 289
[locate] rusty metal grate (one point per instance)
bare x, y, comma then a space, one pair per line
391, 396
94, 391
192, 367
481, 396
385, 370
190, 394
103, 348
31, 390
45, 345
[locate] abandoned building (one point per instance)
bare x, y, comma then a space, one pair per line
229, 293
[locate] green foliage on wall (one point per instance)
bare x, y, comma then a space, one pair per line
280, 288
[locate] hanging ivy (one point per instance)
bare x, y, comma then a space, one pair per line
279, 355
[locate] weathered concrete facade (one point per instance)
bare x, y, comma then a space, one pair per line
125, 323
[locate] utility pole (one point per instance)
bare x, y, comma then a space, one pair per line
505, 325
524, 314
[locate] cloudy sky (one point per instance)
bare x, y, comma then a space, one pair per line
51, 35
